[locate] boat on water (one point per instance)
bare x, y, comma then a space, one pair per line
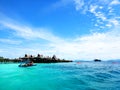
26, 63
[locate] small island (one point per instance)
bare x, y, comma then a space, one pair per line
97, 60
36, 59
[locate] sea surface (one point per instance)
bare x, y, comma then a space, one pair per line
61, 76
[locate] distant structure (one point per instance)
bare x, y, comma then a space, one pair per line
40, 56
36, 59
40, 59
97, 60
54, 57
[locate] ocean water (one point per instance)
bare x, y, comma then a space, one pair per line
61, 76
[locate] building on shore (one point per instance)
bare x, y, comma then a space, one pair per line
41, 59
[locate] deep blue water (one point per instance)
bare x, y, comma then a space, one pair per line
61, 76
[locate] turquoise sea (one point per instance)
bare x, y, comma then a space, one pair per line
61, 76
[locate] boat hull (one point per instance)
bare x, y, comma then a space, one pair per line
25, 65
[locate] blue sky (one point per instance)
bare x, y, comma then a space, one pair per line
70, 29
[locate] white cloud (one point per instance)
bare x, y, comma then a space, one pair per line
9, 41
100, 7
29, 32
93, 8
98, 14
96, 45
1, 51
79, 4
108, 25
114, 21
115, 2
99, 45
105, 14
59, 4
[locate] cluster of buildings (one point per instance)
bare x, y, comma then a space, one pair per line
41, 59
39, 56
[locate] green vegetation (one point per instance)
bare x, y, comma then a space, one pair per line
7, 60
